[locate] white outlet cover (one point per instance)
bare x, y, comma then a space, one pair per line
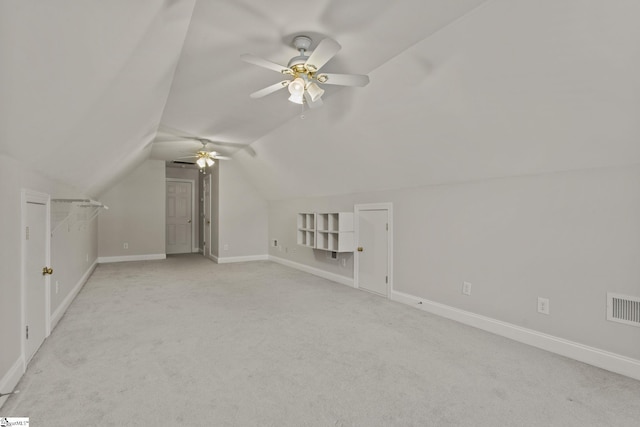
466, 288
543, 305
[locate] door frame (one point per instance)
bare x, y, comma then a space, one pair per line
356, 228
206, 228
30, 196
193, 208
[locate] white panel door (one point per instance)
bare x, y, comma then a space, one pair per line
35, 281
372, 251
178, 217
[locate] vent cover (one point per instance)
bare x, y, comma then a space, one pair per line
623, 309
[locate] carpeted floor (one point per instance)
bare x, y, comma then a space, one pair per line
188, 342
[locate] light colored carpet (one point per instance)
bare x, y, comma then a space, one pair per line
187, 342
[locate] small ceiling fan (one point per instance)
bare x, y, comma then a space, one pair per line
205, 158
304, 72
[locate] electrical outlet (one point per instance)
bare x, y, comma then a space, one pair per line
543, 305
344, 262
125, 245
466, 288
275, 243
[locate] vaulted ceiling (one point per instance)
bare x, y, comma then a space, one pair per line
460, 90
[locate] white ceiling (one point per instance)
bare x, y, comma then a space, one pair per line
460, 90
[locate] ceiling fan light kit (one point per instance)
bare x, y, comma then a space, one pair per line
304, 70
205, 158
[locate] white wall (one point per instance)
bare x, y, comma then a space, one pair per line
74, 250
136, 215
68, 259
242, 216
569, 236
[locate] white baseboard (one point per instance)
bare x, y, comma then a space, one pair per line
315, 271
225, 260
10, 380
147, 257
593, 356
57, 315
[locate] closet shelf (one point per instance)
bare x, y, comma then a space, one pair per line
74, 211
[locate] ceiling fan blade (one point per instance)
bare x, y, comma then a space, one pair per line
325, 50
221, 157
185, 138
260, 62
312, 104
270, 89
359, 80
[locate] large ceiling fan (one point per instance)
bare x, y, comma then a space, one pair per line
306, 79
205, 158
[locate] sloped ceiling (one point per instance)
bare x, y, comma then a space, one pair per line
512, 88
460, 90
84, 83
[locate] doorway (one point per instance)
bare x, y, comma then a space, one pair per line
179, 216
35, 271
373, 263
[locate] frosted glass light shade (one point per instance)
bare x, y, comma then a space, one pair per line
296, 98
296, 87
314, 91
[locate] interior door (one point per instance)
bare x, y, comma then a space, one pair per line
372, 251
35, 280
179, 200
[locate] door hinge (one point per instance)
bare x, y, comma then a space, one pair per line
26, 233
387, 226
386, 279
27, 332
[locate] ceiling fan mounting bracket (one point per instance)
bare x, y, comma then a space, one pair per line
302, 42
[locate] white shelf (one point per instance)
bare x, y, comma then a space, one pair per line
306, 230
332, 231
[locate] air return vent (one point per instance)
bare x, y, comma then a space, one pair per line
623, 309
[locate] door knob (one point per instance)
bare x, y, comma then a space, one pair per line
47, 270
189, 221
360, 249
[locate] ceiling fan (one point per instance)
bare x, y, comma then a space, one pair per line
304, 71
205, 158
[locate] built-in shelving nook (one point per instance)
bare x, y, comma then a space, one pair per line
329, 231
307, 229
70, 212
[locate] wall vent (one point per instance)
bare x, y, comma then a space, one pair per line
623, 309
